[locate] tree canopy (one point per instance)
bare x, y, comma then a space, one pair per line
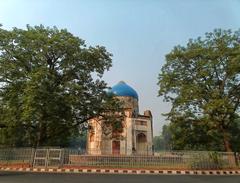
202, 81
50, 83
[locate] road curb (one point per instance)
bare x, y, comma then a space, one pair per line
123, 171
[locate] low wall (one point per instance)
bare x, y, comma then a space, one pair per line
162, 161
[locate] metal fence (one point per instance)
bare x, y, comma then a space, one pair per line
161, 160
59, 157
21, 156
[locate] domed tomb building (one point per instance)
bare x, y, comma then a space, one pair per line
136, 136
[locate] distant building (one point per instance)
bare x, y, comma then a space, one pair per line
137, 134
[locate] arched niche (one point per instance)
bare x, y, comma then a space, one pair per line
141, 141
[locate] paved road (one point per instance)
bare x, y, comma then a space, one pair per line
16, 177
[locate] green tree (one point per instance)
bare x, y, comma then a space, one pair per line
50, 83
164, 141
79, 141
188, 134
235, 135
158, 143
167, 137
202, 81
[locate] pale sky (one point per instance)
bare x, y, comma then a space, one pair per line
139, 33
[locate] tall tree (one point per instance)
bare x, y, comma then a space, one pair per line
202, 81
50, 83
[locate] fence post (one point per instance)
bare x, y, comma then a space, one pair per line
62, 157
236, 156
32, 157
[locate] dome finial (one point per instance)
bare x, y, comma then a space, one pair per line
122, 82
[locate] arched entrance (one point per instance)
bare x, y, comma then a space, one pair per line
141, 144
115, 147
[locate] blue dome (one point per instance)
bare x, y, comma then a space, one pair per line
122, 89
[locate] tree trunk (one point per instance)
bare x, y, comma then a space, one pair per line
226, 141
39, 135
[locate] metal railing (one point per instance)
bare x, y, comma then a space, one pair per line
160, 160
59, 157
21, 156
